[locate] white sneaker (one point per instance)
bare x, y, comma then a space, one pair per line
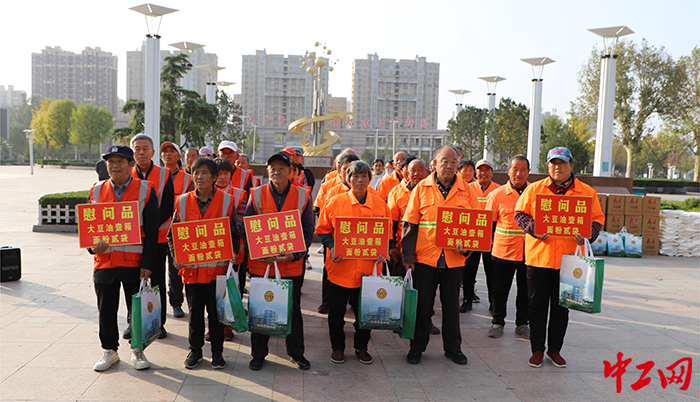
320, 250
139, 359
108, 359
308, 265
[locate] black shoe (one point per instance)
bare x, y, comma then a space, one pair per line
193, 359
177, 312
228, 334
466, 306
476, 299
434, 330
163, 333
207, 338
256, 364
127, 333
322, 309
301, 362
457, 357
413, 357
218, 362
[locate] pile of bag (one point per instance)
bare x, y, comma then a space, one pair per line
621, 244
679, 235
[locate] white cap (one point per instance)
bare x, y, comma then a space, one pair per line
228, 144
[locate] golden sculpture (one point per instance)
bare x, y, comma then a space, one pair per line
329, 137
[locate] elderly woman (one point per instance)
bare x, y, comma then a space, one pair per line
345, 276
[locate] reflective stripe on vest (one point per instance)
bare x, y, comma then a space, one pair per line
509, 232
161, 184
427, 224
244, 175
482, 199
257, 199
237, 197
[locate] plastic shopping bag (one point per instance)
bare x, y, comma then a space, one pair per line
270, 305
581, 280
616, 245
409, 307
380, 301
600, 245
229, 306
145, 315
633, 245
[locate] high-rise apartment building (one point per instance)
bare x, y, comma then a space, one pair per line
386, 90
89, 77
11, 98
276, 90
136, 70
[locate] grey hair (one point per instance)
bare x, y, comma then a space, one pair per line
141, 137
357, 168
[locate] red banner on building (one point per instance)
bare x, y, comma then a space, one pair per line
563, 215
470, 228
201, 242
362, 238
271, 234
117, 223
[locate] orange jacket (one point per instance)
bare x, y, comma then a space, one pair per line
422, 211
348, 273
264, 203
181, 182
397, 202
388, 184
121, 256
158, 177
547, 253
187, 210
481, 195
326, 186
509, 239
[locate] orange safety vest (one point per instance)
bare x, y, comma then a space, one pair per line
187, 210
181, 182
388, 184
348, 273
121, 256
397, 202
548, 253
158, 176
238, 197
509, 239
482, 195
422, 211
264, 203
239, 177
322, 195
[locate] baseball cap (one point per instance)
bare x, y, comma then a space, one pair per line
559, 153
121, 150
228, 144
483, 162
289, 151
170, 144
298, 152
206, 151
281, 156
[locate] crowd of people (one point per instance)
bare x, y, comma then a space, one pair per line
199, 184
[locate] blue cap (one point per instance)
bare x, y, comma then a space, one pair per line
121, 150
559, 153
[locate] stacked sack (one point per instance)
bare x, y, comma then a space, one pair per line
679, 235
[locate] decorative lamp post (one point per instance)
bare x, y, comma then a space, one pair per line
459, 95
602, 163
314, 65
651, 170
211, 81
154, 15
30, 137
491, 83
535, 124
187, 48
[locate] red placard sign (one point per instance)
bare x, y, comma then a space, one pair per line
270, 234
117, 223
470, 228
563, 215
361, 238
201, 242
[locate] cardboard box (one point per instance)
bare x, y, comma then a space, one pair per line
603, 199
650, 224
633, 224
633, 204
616, 204
652, 205
614, 223
650, 244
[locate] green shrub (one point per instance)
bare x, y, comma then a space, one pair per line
689, 204
71, 199
665, 183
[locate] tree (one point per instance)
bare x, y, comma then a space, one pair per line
90, 125
644, 81
20, 120
58, 123
248, 143
570, 135
228, 122
39, 123
467, 131
509, 132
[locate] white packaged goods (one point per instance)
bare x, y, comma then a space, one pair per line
679, 233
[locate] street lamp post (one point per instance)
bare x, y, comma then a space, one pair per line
255, 133
651, 170
602, 164
491, 83
376, 143
459, 95
211, 82
533, 132
187, 48
30, 137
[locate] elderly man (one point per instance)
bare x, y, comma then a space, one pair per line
191, 156
243, 163
206, 152
434, 266
392, 180
240, 178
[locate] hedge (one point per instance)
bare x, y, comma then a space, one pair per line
71, 198
62, 163
688, 205
665, 183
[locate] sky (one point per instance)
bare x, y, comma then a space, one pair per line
469, 39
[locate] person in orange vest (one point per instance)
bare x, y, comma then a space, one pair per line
543, 256
162, 181
508, 251
205, 202
392, 179
243, 163
182, 182
397, 201
432, 266
240, 178
482, 187
345, 275
122, 266
277, 196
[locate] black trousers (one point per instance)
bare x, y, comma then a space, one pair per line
242, 270
338, 299
108, 307
396, 267
543, 292
201, 296
503, 274
325, 283
426, 280
469, 277
158, 278
175, 286
295, 340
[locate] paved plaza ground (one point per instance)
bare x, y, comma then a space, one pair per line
49, 342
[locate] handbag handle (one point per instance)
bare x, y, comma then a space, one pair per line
229, 271
277, 272
586, 250
408, 278
374, 272
145, 284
